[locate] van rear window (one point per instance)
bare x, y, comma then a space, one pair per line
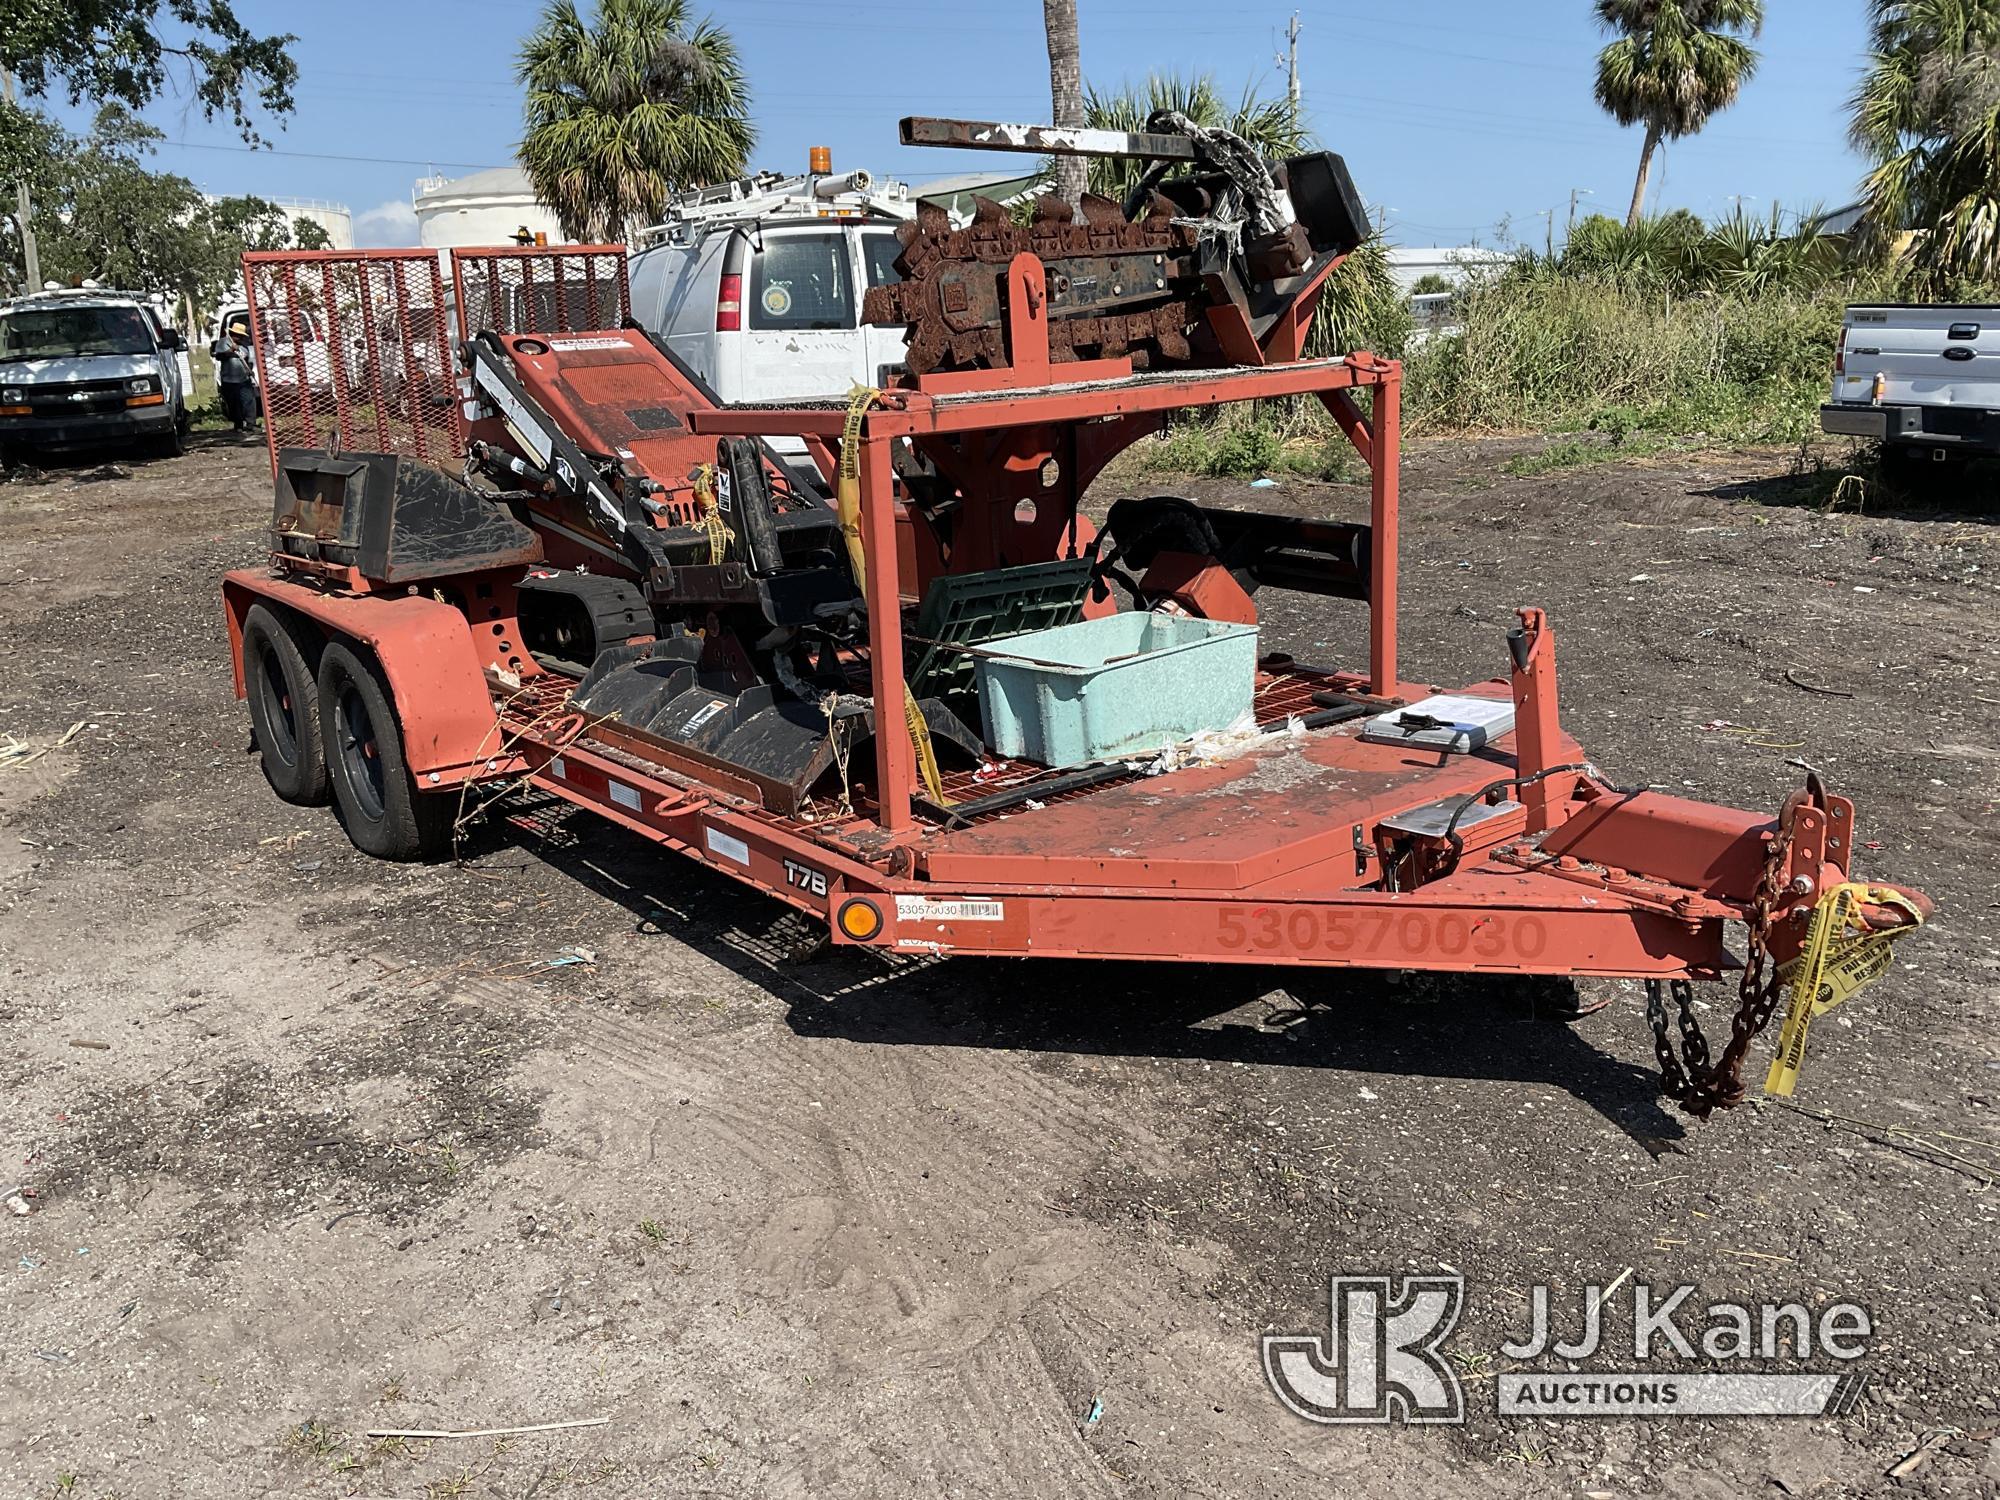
802, 281
878, 255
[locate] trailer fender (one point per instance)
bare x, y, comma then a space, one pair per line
426, 648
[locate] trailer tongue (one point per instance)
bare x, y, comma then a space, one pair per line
919, 696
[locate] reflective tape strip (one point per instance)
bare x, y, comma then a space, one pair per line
727, 845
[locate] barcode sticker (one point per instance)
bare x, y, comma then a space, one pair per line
941, 909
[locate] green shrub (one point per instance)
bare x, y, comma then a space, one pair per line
1231, 447
1330, 459
1247, 450
1673, 331
1547, 351
1228, 448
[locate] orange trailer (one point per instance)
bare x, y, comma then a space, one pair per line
416, 671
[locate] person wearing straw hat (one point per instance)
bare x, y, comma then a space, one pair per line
236, 374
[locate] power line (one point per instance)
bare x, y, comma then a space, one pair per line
380, 161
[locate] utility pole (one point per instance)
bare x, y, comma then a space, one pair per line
24, 211
1292, 61
1574, 194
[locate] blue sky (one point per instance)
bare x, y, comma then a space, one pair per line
1454, 115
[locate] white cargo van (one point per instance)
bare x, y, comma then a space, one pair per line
1924, 380
88, 368
756, 285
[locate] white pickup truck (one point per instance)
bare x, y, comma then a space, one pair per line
1923, 379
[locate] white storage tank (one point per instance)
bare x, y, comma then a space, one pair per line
487, 208
335, 218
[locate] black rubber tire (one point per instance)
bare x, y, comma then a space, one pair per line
170, 444
283, 694
374, 793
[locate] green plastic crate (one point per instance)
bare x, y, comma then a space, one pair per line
967, 609
1114, 686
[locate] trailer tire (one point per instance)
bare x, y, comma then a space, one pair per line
283, 695
374, 794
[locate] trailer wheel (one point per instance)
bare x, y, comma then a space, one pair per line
374, 793
284, 708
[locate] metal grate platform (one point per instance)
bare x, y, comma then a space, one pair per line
539, 707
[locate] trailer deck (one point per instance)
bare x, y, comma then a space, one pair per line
1268, 855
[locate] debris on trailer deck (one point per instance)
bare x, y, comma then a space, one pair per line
1214, 747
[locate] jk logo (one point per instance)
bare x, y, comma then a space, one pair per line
1380, 1360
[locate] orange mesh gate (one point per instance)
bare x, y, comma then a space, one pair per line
541, 289
354, 351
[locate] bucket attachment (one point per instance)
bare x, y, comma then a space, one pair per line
392, 519
792, 748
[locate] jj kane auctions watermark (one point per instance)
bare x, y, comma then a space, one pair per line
1383, 1356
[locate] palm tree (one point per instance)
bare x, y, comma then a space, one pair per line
1065, 89
1674, 64
1273, 126
1928, 116
623, 112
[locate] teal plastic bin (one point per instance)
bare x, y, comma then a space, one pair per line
1114, 686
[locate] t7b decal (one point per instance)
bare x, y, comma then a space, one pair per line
805, 877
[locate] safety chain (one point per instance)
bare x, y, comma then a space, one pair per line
1688, 1079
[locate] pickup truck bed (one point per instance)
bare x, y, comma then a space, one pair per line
1923, 379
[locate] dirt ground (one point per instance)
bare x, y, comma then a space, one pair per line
319, 1147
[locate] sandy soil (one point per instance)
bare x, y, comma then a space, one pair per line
319, 1146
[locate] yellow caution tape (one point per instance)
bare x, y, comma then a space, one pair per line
847, 495
1841, 957
920, 738
847, 505
719, 534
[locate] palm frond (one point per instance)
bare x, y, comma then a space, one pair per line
1675, 63
622, 111
1271, 124
1927, 116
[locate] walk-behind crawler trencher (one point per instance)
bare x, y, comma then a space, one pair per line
889, 673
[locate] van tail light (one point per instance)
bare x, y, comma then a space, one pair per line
1840, 354
729, 304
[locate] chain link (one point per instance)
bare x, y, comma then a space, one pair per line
1688, 1078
